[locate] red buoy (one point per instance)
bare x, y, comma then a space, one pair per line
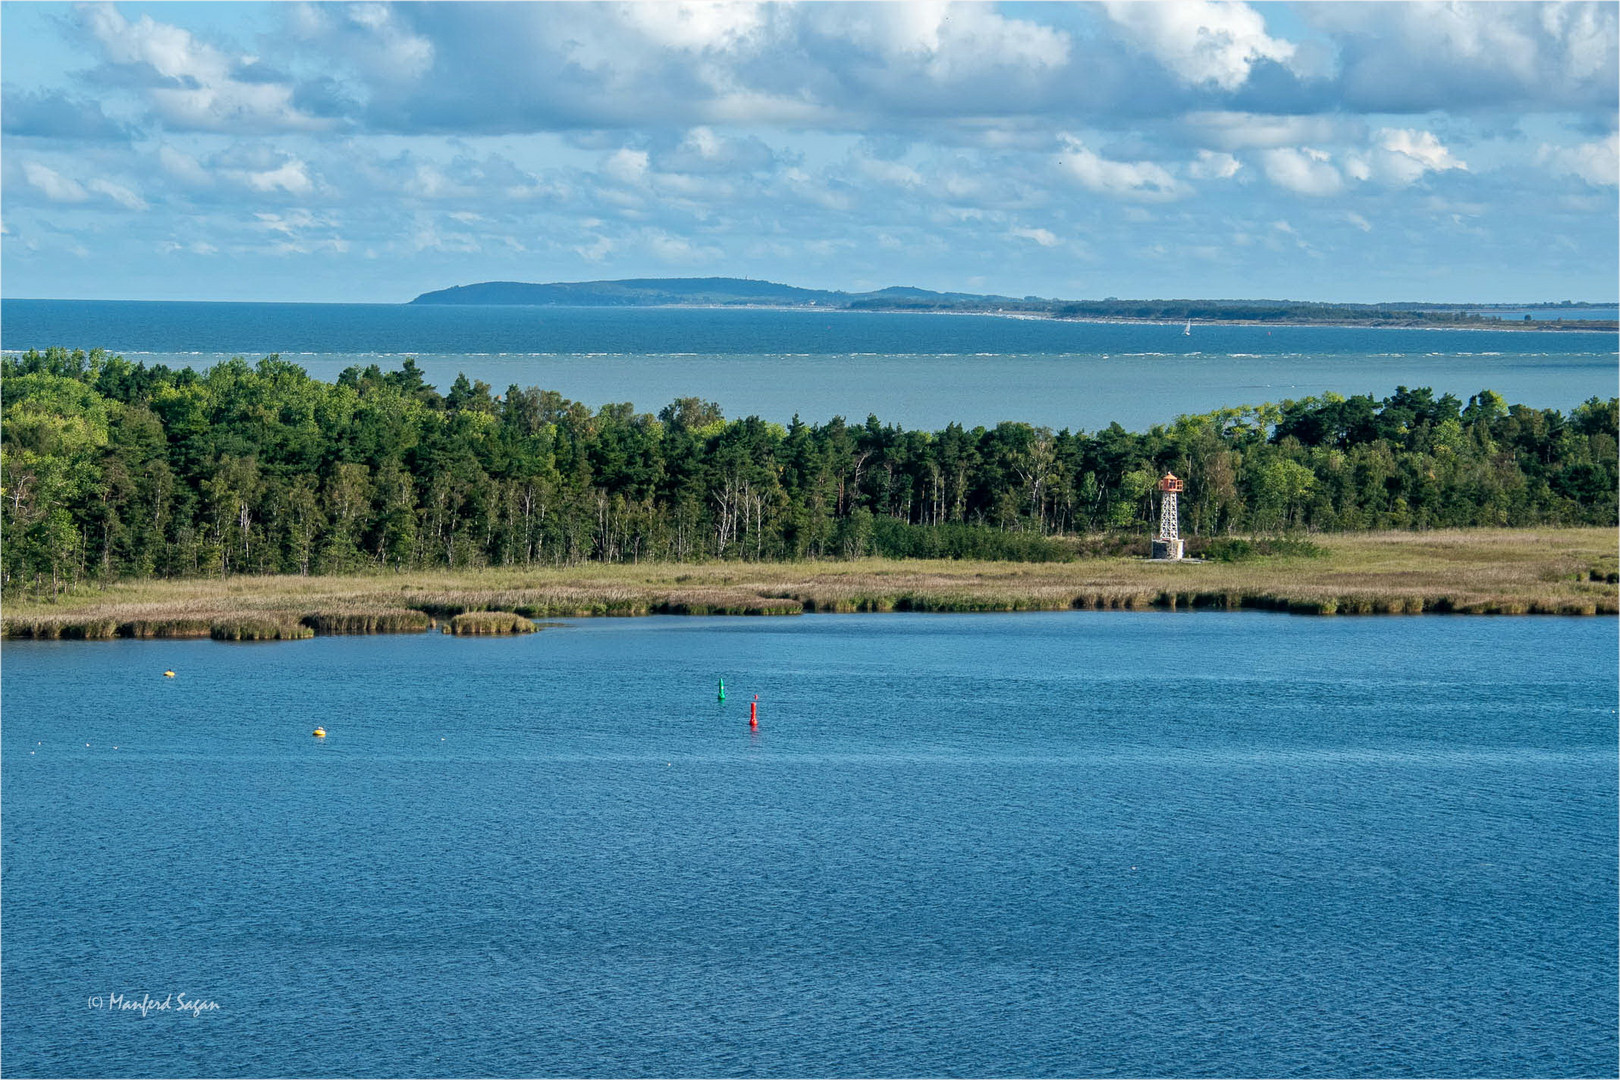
753, 712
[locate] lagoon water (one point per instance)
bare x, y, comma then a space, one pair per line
1066, 844
916, 370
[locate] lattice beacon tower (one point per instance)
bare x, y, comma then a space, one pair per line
1169, 545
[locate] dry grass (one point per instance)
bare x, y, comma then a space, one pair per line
1532, 571
490, 622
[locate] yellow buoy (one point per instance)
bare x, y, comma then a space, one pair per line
319, 733
168, 674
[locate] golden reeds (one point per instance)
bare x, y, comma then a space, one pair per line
1532, 571
490, 622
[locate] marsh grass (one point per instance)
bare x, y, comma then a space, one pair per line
258, 629
384, 621
1536, 571
490, 622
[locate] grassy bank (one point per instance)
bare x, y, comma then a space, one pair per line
1542, 571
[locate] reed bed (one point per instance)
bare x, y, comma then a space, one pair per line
383, 621
490, 622
1547, 571
250, 629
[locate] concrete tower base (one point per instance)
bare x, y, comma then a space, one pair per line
1168, 549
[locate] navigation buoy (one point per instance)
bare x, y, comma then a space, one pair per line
168, 674
753, 713
319, 733
722, 689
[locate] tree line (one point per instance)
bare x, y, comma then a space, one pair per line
117, 470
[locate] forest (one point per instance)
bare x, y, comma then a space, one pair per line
114, 470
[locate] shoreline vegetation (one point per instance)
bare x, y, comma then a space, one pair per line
113, 473
1463, 571
750, 293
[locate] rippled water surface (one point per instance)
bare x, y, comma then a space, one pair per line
1015, 845
916, 370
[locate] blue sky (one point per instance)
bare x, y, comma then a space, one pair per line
369, 152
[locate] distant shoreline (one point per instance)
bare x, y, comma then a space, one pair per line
1588, 326
1591, 326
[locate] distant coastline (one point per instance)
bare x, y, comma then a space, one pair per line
747, 293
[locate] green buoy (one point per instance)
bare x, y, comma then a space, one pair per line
722, 689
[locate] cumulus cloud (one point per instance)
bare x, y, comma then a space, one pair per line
1597, 163
625, 137
1304, 171
706, 151
1413, 57
1212, 165
944, 41
1400, 157
1121, 179
1201, 42
188, 83
1043, 237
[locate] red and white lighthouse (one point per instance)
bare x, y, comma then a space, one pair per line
1169, 544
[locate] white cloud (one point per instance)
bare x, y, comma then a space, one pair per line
288, 224
1201, 42
1249, 131
1586, 33
1407, 154
1412, 57
1303, 171
696, 26
1598, 163
627, 166
119, 194
398, 50
1124, 179
1358, 221
1212, 165
1041, 236
950, 40
196, 85
290, 176
52, 184
1400, 157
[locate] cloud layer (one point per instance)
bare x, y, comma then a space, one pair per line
1059, 150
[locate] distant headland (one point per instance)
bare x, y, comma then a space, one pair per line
750, 292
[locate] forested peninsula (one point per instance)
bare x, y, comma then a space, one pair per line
751, 292
117, 471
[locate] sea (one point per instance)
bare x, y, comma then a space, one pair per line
1056, 844
1025, 845
918, 371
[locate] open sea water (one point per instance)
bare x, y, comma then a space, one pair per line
915, 370
1068, 844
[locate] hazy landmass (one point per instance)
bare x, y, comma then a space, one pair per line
748, 292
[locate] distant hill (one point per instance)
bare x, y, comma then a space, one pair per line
743, 292
661, 291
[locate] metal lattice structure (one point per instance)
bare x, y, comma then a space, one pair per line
1169, 518
1169, 513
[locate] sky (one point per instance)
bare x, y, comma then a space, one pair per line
369, 152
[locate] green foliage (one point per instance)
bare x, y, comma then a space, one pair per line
113, 470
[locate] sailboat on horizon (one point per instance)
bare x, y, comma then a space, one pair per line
1188, 331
